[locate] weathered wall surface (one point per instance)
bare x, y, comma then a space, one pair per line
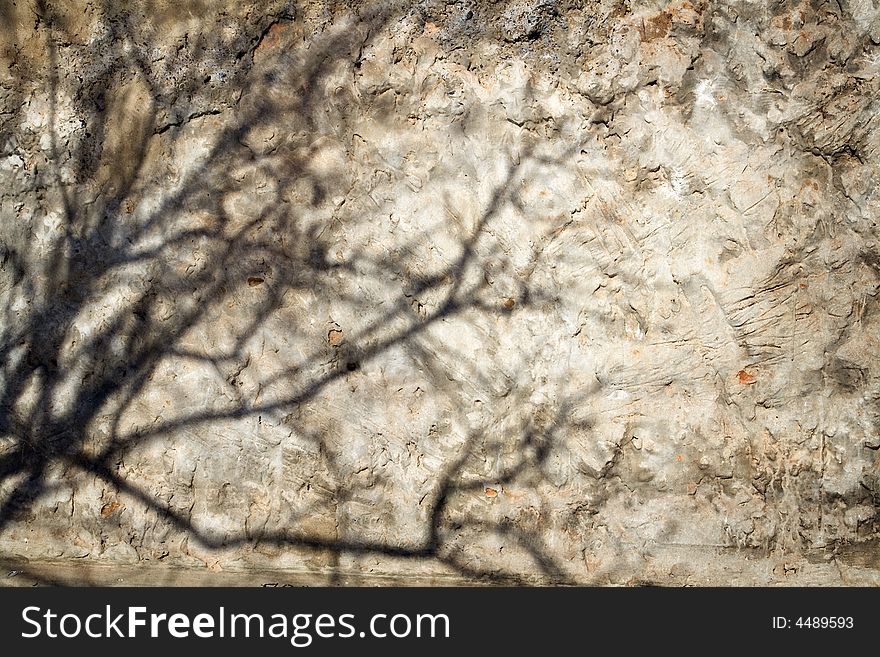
541, 291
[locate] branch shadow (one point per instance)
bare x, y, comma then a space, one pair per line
176, 260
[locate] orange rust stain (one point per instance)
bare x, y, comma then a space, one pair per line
744, 377
656, 27
683, 13
110, 508
491, 492
272, 38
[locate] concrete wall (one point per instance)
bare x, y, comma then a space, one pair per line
529, 291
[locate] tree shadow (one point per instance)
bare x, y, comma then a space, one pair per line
136, 269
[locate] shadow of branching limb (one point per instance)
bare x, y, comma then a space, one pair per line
208, 308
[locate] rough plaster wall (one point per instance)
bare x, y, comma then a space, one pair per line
531, 291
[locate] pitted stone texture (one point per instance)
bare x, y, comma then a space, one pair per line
546, 291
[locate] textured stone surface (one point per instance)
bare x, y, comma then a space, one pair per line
535, 291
